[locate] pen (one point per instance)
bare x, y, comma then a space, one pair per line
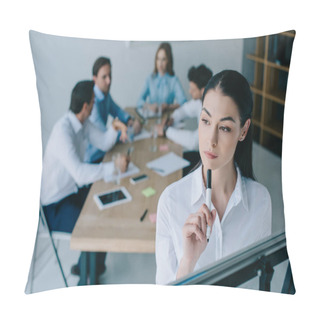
208, 200
157, 169
129, 151
144, 214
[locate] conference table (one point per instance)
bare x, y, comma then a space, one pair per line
119, 229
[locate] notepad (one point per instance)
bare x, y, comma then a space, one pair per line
167, 164
144, 134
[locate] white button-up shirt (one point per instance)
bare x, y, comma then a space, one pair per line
246, 220
64, 169
187, 138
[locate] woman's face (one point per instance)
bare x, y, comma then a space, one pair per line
219, 130
161, 61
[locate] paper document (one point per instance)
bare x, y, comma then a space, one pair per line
132, 169
146, 113
167, 164
144, 134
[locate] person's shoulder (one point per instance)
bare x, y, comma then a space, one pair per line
151, 77
255, 186
255, 190
60, 131
62, 124
172, 77
195, 103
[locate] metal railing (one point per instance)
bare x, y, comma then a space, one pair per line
256, 260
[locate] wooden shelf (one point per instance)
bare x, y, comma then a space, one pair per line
269, 87
276, 96
268, 63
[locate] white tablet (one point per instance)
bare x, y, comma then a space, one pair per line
112, 198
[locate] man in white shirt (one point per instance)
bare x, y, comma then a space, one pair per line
198, 78
66, 178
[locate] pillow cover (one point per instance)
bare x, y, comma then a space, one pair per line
60, 62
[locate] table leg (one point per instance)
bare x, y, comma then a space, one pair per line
93, 268
83, 269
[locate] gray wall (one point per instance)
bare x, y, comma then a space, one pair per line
61, 61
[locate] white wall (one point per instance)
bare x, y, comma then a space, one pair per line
60, 62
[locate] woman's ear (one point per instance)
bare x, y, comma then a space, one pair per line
245, 129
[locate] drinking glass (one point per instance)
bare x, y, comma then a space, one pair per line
116, 168
154, 133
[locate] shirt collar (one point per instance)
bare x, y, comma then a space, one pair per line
75, 123
198, 188
240, 190
197, 185
160, 77
99, 95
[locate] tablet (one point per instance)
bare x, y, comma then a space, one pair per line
112, 198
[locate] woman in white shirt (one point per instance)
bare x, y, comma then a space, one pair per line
241, 212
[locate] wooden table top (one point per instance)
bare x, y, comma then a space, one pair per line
118, 229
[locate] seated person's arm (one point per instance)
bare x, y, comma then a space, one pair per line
97, 119
144, 94
180, 97
83, 173
118, 112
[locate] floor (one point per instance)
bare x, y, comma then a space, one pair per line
133, 268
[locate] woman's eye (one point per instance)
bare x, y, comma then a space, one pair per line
205, 121
225, 129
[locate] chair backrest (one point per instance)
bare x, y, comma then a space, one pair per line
51, 235
44, 230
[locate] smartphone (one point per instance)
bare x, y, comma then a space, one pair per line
137, 179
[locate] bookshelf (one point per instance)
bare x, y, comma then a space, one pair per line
271, 62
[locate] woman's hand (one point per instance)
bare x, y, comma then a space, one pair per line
159, 128
165, 107
122, 162
151, 106
137, 126
120, 126
169, 107
194, 238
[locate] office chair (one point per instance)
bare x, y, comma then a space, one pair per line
53, 235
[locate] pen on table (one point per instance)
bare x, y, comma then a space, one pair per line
157, 169
208, 200
129, 151
144, 214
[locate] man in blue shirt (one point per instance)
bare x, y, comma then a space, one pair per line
105, 106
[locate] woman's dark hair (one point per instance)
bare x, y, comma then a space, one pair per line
235, 85
199, 75
167, 49
81, 93
100, 62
